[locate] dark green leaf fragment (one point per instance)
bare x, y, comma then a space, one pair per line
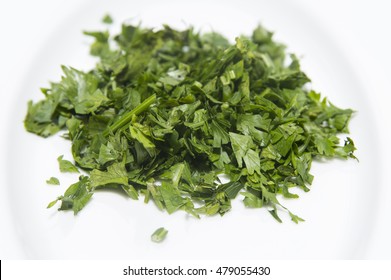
115, 174
77, 195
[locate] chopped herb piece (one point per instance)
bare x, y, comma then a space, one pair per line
53, 181
159, 235
76, 196
52, 203
107, 19
66, 165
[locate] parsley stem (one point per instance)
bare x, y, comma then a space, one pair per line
128, 116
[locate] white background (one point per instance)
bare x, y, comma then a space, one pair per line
360, 28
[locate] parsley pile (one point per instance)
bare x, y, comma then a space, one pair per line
166, 113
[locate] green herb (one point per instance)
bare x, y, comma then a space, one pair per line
166, 113
76, 196
107, 19
159, 235
53, 181
66, 165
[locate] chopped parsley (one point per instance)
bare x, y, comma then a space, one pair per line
53, 181
166, 113
159, 235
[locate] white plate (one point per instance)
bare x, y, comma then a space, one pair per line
339, 209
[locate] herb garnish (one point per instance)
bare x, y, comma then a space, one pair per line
53, 181
66, 165
159, 235
165, 113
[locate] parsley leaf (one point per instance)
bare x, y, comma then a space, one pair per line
115, 174
53, 181
66, 165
